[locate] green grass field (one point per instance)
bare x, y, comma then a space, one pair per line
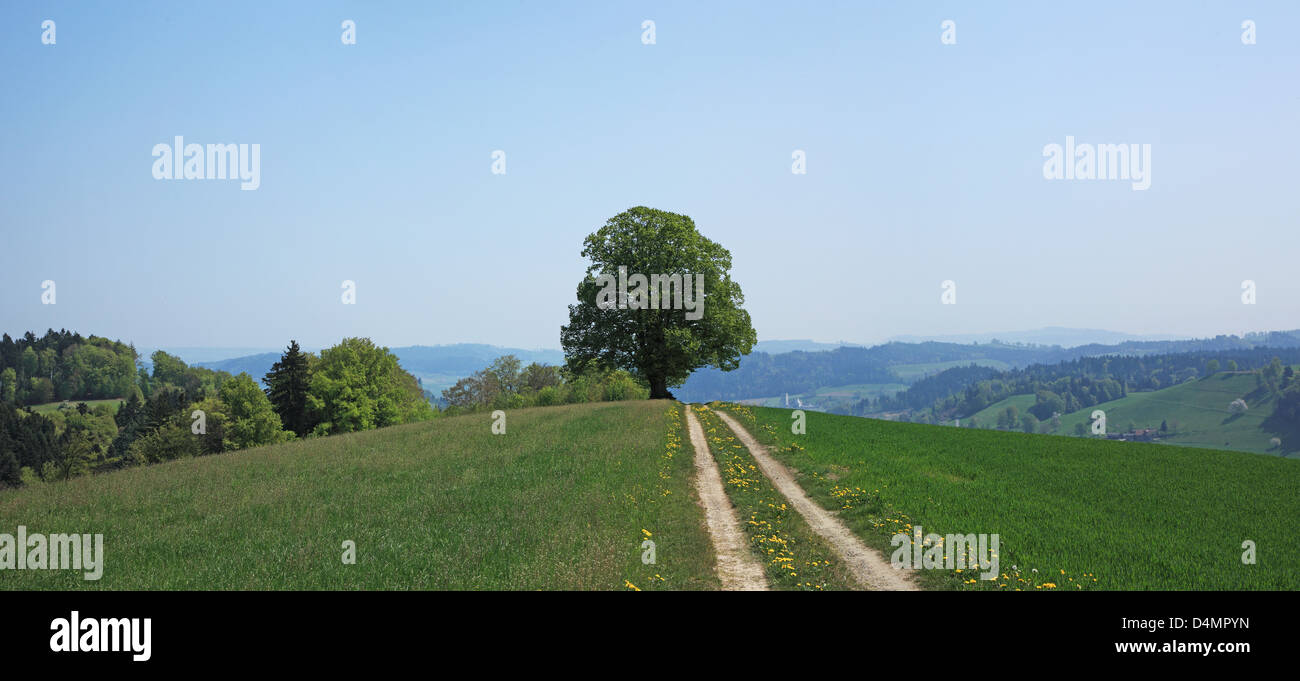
563, 500
50, 407
1129, 515
988, 416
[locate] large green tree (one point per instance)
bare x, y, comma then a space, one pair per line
639, 321
357, 385
252, 421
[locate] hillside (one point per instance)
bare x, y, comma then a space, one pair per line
988, 416
1071, 513
1196, 413
562, 500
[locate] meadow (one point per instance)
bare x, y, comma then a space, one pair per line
1071, 513
51, 407
988, 416
563, 500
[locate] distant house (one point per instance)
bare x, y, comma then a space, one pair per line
1144, 434
1139, 435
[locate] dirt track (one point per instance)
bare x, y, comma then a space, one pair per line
870, 568
737, 568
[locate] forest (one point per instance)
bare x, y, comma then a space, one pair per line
176, 410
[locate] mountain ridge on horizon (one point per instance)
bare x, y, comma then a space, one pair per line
1064, 337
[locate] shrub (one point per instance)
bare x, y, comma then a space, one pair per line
548, 396
171, 441
620, 385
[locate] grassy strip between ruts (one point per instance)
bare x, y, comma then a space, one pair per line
1072, 514
793, 556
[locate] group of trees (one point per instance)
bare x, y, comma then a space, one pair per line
355, 385
1285, 419
180, 411
65, 366
507, 384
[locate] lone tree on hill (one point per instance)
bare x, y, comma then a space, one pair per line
658, 326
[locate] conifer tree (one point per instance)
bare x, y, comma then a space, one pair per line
288, 382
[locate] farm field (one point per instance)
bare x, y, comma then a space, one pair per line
51, 407
1068, 511
563, 500
988, 416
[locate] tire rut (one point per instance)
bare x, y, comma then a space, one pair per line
867, 565
737, 568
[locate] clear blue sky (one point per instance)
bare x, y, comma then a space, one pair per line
924, 164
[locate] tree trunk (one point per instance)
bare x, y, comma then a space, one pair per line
659, 388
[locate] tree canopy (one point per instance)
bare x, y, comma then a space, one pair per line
357, 385
659, 343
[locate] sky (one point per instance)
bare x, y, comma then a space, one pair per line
924, 164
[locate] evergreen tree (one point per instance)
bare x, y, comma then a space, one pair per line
288, 383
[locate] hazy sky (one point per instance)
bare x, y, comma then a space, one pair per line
924, 164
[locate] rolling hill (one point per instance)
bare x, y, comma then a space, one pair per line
1195, 412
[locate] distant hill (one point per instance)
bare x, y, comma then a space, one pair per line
254, 365
1051, 335
764, 375
463, 359
776, 347
194, 355
1195, 412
